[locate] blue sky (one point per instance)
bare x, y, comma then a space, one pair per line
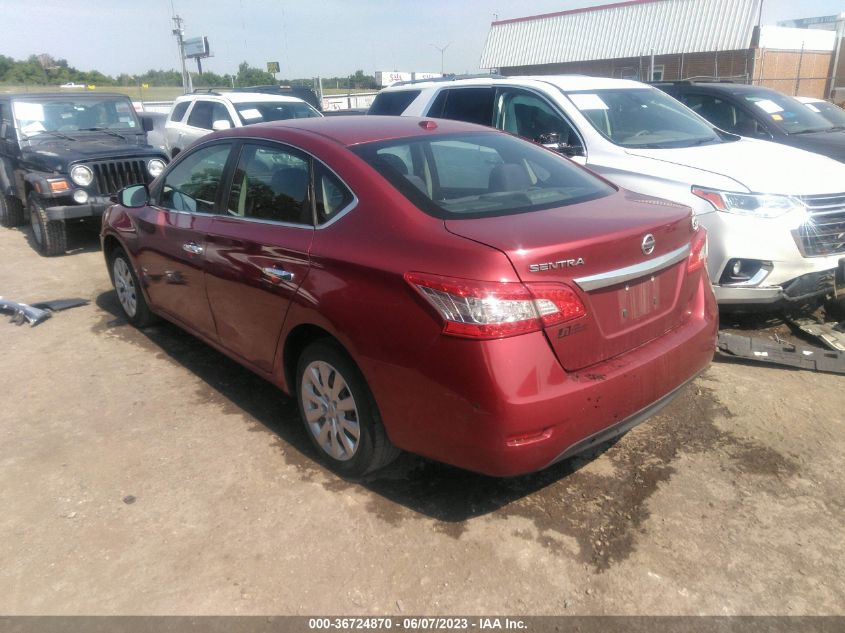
308, 37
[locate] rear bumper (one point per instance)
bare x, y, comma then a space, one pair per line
508, 408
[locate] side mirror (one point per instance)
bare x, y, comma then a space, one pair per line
147, 124
552, 142
220, 124
134, 196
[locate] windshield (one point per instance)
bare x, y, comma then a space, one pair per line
483, 174
274, 111
832, 113
787, 114
74, 114
643, 118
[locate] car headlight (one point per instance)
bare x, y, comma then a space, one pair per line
155, 167
81, 175
761, 205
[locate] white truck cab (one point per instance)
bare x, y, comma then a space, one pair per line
775, 215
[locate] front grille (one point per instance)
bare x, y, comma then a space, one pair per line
824, 231
113, 175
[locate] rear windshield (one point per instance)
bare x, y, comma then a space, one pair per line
481, 174
260, 112
393, 103
643, 118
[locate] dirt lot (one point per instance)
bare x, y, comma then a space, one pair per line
144, 473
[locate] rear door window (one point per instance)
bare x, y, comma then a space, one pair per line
205, 113
179, 110
393, 103
271, 183
473, 105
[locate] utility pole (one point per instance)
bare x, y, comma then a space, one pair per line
178, 31
442, 50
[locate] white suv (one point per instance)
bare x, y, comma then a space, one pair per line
195, 115
775, 214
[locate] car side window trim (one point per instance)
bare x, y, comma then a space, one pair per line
229, 174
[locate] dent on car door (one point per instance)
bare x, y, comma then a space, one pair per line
172, 237
258, 249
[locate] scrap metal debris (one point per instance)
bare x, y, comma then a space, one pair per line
37, 312
832, 335
763, 351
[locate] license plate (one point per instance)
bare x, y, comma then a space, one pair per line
639, 298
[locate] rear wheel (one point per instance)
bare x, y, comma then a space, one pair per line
11, 211
128, 290
339, 412
50, 235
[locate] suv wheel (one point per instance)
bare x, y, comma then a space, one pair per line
50, 235
339, 412
11, 211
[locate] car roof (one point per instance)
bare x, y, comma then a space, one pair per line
567, 83
719, 86
810, 100
243, 97
62, 95
349, 131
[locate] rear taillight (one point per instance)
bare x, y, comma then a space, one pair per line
488, 309
698, 251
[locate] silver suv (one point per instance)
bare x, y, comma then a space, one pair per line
775, 214
195, 115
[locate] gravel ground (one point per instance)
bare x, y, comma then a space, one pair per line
145, 473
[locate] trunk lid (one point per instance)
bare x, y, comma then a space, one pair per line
596, 248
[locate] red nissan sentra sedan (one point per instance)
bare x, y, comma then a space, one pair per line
432, 286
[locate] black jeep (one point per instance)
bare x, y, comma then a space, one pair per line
62, 155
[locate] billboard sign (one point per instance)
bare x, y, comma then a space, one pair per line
196, 47
387, 77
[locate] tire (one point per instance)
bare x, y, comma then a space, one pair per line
129, 295
50, 235
11, 211
318, 370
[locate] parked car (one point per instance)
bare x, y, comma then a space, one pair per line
761, 113
62, 156
775, 214
436, 287
197, 114
306, 94
828, 110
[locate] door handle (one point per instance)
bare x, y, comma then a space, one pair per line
192, 247
278, 273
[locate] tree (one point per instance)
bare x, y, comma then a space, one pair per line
248, 76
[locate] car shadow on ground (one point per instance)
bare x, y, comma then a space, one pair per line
437, 490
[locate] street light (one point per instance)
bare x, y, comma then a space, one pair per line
442, 50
